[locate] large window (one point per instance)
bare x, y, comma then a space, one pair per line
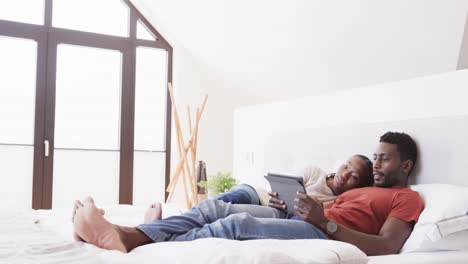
84, 108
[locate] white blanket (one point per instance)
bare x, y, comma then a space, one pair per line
45, 236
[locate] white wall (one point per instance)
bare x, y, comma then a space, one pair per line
246, 52
463, 57
257, 126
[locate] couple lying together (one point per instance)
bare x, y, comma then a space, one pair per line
377, 219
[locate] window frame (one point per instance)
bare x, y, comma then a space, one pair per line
48, 38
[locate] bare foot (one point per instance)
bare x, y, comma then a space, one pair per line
92, 227
75, 207
153, 213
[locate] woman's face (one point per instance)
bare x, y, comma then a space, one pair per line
350, 174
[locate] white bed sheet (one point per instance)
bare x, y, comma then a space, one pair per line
45, 237
440, 257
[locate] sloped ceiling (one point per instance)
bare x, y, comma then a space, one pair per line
310, 47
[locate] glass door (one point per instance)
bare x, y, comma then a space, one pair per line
149, 155
17, 111
87, 125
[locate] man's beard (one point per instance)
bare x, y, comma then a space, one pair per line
387, 182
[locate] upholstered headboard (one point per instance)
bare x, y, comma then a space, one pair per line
442, 143
325, 130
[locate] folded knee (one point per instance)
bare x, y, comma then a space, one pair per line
239, 217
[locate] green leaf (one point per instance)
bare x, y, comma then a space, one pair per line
220, 183
203, 184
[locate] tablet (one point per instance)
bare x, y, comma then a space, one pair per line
286, 187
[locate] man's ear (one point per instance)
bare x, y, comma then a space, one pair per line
406, 166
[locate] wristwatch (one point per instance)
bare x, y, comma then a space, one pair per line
331, 227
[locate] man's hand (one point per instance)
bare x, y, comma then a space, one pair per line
275, 202
310, 210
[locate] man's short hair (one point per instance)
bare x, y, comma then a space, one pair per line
405, 146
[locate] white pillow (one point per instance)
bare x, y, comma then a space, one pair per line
442, 201
443, 224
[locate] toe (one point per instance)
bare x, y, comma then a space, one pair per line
76, 206
78, 203
155, 205
88, 200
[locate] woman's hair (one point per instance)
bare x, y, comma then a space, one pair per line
368, 180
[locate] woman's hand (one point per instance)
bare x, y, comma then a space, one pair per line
275, 202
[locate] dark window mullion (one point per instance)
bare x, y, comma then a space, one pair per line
48, 13
127, 126
21, 30
51, 75
150, 43
127, 116
168, 124
39, 124
88, 39
132, 25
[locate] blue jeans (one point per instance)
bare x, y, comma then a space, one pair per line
240, 194
245, 194
214, 218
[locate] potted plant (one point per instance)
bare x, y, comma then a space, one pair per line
217, 184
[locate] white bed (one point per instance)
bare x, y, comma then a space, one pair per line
448, 257
283, 137
44, 236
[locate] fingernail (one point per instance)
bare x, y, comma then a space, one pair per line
296, 200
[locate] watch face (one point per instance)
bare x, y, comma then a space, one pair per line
332, 227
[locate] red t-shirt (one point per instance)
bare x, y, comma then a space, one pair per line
366, 209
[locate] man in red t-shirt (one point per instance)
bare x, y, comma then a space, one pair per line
376, 219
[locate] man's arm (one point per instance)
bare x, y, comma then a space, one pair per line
390, 239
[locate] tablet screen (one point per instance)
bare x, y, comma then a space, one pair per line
286, 187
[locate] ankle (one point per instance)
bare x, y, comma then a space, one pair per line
132, 238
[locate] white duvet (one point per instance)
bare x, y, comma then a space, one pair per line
45, 236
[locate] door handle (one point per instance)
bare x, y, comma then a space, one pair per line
46, 148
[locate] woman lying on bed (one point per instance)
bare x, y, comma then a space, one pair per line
356, 172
